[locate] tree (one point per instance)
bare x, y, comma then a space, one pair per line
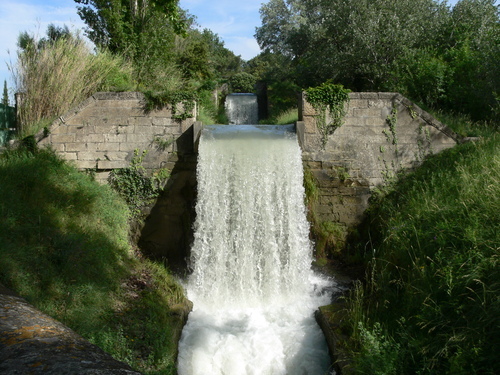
5, 97
118, 24
143, 31
242, 82
472, 53
435, 54
356, 42
202, 56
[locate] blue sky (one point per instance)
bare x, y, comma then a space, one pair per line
233, 21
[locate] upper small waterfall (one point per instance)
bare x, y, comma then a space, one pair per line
242, 109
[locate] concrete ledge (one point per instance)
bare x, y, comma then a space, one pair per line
34, 343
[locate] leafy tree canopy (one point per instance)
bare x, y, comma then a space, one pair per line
423, 48
118, 24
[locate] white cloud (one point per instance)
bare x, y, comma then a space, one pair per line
246, 47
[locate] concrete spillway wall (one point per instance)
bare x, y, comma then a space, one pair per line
103, 132
382, 134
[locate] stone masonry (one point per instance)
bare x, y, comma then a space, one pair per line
103, 132
382, 134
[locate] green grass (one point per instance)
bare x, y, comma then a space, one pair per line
64, 247
286, 117
430, 302
464, 126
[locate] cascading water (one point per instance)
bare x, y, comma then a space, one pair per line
252, 286
242, 109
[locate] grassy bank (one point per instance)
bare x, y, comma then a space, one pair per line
430, 302
64, 247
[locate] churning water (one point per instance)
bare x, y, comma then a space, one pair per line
253, 290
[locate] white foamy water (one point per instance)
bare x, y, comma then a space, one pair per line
253, 291
242, 109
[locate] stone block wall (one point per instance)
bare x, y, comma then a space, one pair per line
102, 133
382, 134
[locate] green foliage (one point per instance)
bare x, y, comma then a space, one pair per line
439, 55
282, 96
242, 83
430, 295
5, 96
52, 76
331, 98
289, 116
463, 124
118, 25
329, 237
159, 100
162, 144
392, 121
379, 353
65, 249
311, 187
134, 185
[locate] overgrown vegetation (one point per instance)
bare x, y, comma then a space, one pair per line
148, 46
181, 102
429, 303
242, 83
330, 101
289, 116
53, 74
444, 57
65, 249
135, 185
329, 237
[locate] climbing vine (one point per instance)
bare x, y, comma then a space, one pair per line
392, 121
332, 98
159, 100
134, 184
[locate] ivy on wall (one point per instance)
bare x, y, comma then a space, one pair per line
331, 98
135, 186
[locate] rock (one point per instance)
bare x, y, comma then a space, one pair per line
31, 342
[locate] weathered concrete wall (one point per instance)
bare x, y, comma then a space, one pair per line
102, 133
382, 134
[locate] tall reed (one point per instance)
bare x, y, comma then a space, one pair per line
52, 77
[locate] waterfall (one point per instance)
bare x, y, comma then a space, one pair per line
242, 109
253, 290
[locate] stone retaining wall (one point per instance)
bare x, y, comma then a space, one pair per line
102, 133
382, 134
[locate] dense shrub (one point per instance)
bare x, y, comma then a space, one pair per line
242, 83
